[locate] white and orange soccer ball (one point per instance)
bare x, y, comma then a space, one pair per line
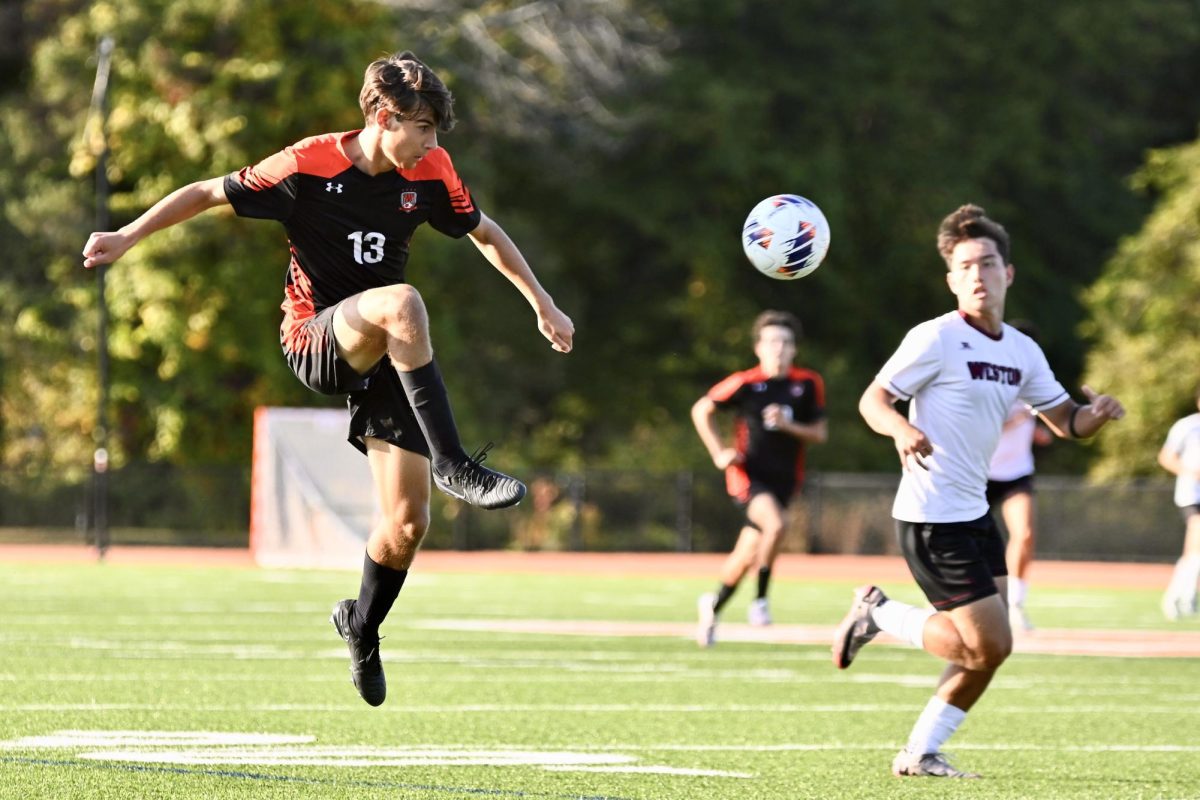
786, 237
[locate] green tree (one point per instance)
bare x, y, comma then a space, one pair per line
888, 116
1144, 316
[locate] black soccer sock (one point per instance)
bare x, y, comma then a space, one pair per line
427, 395
723, 595
764, 580
379, 589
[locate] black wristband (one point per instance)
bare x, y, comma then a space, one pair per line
1071, 423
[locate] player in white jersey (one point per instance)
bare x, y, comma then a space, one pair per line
1180, 455
1010, 492
960, 372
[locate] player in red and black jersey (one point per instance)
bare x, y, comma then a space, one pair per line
352, 325
779, 409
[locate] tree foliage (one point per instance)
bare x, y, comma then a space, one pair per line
1145, 316
621, 143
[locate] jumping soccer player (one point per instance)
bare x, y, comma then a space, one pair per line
1010, 492
779, 409
1180, 455
350, 203
961, 373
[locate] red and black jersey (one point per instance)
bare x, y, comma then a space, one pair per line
348, 231
770, 455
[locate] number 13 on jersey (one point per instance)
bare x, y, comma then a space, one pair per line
372, 253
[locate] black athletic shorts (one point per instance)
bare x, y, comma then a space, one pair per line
379, 407
998, 491
954, 563
783, 491
1189, 511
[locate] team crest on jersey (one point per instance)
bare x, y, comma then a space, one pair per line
408, 201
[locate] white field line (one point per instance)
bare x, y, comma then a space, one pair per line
209, 748
575, 675
158, 747
1132, 643
590, 708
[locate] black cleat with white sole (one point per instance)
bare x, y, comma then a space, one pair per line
474, 483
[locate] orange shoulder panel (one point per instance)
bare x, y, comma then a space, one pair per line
321, 155
272, 170
729, 386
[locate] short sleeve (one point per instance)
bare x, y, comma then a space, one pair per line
266, 190
915, 363
454, 212
1041, 390
725, 393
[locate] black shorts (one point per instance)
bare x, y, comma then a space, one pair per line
781, 489
1189, 511
999, 491
379, 408
954, 563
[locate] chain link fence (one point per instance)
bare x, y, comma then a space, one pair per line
596, 510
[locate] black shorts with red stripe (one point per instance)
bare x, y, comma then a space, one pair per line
379, 408
743, 486
954, 563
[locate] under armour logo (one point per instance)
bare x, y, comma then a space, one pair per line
965, 345
333, 187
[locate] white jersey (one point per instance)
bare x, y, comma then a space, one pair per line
1184, 441
961, 382
1014, 452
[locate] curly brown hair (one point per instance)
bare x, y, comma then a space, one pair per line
970, 222
402, 84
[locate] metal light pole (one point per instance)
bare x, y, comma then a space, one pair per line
98, 114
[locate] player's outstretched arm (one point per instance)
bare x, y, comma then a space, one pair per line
504, 255
877, 407
105, 247
1070, 420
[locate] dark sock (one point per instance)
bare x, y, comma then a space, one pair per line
764, 579
379, 588
723, 595
427, 395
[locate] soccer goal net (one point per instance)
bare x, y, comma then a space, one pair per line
311, 498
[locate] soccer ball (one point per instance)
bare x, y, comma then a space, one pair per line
786, 237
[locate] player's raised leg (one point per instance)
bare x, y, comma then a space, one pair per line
392, 321
402, 487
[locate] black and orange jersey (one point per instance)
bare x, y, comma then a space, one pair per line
348, 231
770, 455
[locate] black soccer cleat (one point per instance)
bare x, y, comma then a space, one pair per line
366, 670
857, 628
474, 483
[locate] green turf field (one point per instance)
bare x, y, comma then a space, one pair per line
138, 682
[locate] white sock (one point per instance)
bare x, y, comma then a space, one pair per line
937, 723
1184, 578
902, 621
1017, 590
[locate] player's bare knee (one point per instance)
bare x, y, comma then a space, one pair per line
991, 654
408, 527
405, 315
